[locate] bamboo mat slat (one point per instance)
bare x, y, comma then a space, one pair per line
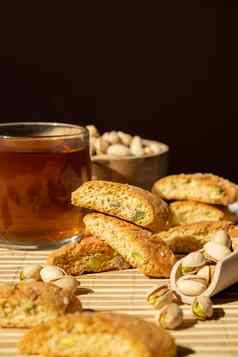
125, 292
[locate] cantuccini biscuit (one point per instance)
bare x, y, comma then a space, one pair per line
90, 255
205, 188
28, 303
190, 237
137, 246
98, 334
127, 202
187, 212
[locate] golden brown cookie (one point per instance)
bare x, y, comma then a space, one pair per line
98, 334
205, 188
29, 303
151, 256
90, 255
190, 237
127, 202
188, 212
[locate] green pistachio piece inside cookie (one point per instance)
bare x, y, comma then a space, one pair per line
139, 215
137, 257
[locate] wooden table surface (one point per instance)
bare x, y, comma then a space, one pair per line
125, 292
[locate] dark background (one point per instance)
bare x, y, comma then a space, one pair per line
167, 72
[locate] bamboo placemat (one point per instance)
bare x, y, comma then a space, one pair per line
125, 292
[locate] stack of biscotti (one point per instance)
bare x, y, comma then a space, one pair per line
125, 219
199, 207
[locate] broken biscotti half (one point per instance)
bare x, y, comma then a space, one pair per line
205, 188
29, 303
127, 202
90, 255
187, 212
98, 334
151, 256
190, 237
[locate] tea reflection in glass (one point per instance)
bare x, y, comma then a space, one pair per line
40, 165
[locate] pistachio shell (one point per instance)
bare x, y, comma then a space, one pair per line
136, 146
155, 148
93, 131
118, 150
148, 151
67, 282
31, 272
125, 138
221, 237
202, 307
206, 272
160, 296
192, 262
170, 316
101, 146
191, 285
215, 251
111, 137
51, 273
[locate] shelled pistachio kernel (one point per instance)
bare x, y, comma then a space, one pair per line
170, 316
221, 237
160, 296
192, 262
206, 272
51, 272
202, 307
215, 252
30, 272
191, 285
67, 282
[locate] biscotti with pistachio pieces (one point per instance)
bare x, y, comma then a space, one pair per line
137, 246
130, 203
191, 237
29, 303
188, 212
90, 255
207, 188
98, 334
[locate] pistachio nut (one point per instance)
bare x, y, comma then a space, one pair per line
191, 285
148, 151
156, 148
206, 272
67, 282
118, 150
234, 243
125, 138
50, 273
111, 137
136, 146
92, 145
160, 296
31, 272
101, 146
221, 237
170, 316
93, 131
202, 307
215, 251
192, 262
